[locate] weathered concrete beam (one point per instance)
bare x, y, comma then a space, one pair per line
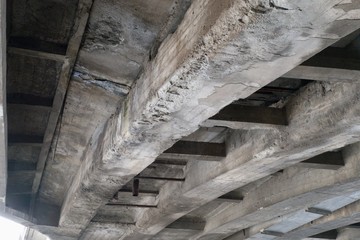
108, 231
229, 199
116, 214
142, 199
343, 217
28, 99
323, 74
36, 45
212, 134
272, 233
163, 171
3, 123
256, 229
182, 228
331, 65
197, 72
203, 151
318, 211
253, 154
333, 234
244, 117
328, 160
295, 189
187, 223
36, 54
73, 46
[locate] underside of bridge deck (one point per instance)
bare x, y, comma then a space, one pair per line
181, 119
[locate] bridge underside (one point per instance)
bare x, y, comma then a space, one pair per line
181, 119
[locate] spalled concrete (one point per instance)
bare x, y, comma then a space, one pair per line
198, 81
121, 36
104, 165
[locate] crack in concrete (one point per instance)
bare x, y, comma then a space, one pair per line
273, 5
108, 85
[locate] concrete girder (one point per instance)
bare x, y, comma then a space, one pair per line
293, 190
254, 154
334, 65
175, 94
340, 218
80, 21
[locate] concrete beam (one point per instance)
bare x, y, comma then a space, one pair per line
328, 160
256, 229
333, 234
36, 54
332, 65
142, 199
229, 199
72, 50
163, 171
295, 189
28, 99
251, 150
318, 211
343, 217
203, 151
196, 71
3, 123
323, 74
244, 117
187, 223
108, 231
34, 45
116, 214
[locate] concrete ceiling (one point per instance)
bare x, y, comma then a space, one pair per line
180, 119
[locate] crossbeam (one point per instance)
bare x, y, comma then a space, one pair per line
328, 67
235, 116
328, 160
204, 151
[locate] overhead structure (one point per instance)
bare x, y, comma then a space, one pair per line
180, 120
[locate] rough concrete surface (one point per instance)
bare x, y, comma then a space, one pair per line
121, 34
81, 116
158, 111
98, 90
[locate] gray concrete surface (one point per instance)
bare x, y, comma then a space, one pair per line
151, 73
